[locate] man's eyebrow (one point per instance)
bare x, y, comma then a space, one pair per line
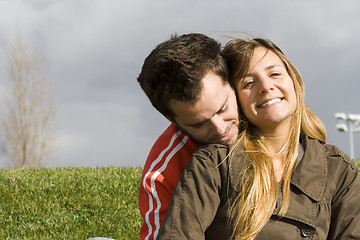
198, 123
219, 111
223, 105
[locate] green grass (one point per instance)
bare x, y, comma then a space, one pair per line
357, 161
69, 203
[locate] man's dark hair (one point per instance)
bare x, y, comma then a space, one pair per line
175, 68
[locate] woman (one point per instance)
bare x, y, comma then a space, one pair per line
280, 180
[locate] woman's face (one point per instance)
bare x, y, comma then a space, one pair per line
267, 94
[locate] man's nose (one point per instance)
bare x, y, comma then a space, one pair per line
219, 125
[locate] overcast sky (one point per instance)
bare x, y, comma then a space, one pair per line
95, 50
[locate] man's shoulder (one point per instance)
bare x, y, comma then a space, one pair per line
170, 131
171, 136
172, 144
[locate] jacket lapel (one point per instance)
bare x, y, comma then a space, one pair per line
311, 173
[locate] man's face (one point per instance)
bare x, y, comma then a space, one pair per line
213, 118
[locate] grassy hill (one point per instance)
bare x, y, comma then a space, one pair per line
69, 203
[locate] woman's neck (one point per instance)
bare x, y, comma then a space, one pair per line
276, 136
277, 144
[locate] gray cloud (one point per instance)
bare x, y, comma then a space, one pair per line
95, 50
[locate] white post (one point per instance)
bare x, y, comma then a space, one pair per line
351, 123
351, 134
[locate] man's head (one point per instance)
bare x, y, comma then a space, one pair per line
186, 80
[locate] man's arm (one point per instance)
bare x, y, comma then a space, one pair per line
164, 166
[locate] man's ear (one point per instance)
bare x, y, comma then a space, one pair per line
171, 119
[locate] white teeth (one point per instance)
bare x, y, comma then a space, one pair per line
270, 102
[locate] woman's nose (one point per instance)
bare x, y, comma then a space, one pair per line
265, 85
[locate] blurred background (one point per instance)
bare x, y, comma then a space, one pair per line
94, 50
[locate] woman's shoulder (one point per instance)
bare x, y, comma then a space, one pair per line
340, 166
333, 153
211, 151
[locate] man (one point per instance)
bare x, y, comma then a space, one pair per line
186, 80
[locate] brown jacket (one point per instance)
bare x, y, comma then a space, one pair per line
324, 201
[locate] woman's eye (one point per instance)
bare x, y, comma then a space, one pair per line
275, 74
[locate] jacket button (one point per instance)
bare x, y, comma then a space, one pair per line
307, 232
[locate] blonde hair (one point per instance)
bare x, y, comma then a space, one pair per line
257, 199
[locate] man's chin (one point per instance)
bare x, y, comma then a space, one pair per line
225, 140
213, 141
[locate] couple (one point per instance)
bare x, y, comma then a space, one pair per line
268, 174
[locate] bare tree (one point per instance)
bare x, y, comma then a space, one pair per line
28, 111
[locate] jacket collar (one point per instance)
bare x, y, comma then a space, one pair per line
311, 173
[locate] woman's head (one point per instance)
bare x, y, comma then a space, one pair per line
266, 93
239, 53
253, 65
